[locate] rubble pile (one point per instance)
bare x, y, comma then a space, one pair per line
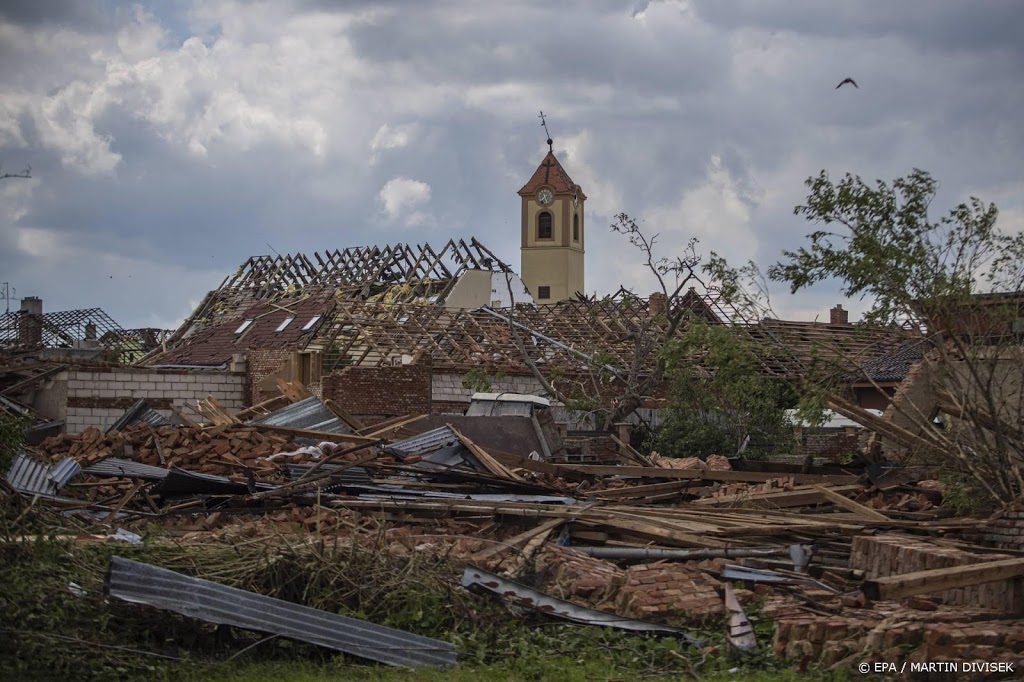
846, 569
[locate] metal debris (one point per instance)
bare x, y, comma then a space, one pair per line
140, 583
521, 595
741, 632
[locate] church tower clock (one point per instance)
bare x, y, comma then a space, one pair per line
553, 233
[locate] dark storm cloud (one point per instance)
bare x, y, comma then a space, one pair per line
973, 25
82, 14
160, 166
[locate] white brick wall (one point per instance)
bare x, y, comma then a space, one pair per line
179, 387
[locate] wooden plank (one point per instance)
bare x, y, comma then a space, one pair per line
309, 433
704, 474
124, 500
343, 414
776, 499
851, 506
394, 427
493, 465
941, 579
642, 490
269, 405
499, 547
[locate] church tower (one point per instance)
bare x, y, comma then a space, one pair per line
553, 233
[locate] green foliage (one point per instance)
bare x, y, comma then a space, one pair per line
718, 403
12, 437
964, 497
879, 243
477, 380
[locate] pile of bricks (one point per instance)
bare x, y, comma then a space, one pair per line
1004, 530
891, 632
668, 591
578, 577
885, 555
712, 463
220, 450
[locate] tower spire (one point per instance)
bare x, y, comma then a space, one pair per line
545, 124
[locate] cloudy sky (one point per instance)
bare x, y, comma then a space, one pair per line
171, 140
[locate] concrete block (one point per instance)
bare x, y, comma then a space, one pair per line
147, 386
122, 376
180, 386
108, 393
84, 376
156, 378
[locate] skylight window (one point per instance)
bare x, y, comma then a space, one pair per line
309, 325
284, 325
242, 327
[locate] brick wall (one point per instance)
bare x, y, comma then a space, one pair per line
1004, 530
447, 388
885, 555
99, 396
830, 443
260, 364
381, 391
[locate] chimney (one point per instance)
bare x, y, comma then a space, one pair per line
838, 316
30, 322
90, 331
656, 303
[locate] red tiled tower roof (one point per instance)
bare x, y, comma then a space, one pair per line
551, 174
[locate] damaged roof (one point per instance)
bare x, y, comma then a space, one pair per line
392, 274
288, 324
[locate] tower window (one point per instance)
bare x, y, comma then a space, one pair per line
544, 225
543, 293
576, 227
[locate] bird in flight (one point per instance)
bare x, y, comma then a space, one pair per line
847, 80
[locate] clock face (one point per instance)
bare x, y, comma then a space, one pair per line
545, 197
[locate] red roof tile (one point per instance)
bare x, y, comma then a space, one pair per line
551, 174
217, 343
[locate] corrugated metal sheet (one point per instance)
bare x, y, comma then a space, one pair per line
29, 475
116, 467
527, 597
495, 408
141, 583
181, 482
138, 413
63, 471
306, 414
428, 441
350, 476
33, 476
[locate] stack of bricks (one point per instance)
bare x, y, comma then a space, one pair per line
578, 577
1005, 530
891, 632
886, 555
668, 591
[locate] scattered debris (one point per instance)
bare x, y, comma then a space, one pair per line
523, 596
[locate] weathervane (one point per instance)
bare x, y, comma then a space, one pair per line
545, 124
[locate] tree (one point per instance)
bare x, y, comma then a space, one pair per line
953, 285
612, 389
722, 402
